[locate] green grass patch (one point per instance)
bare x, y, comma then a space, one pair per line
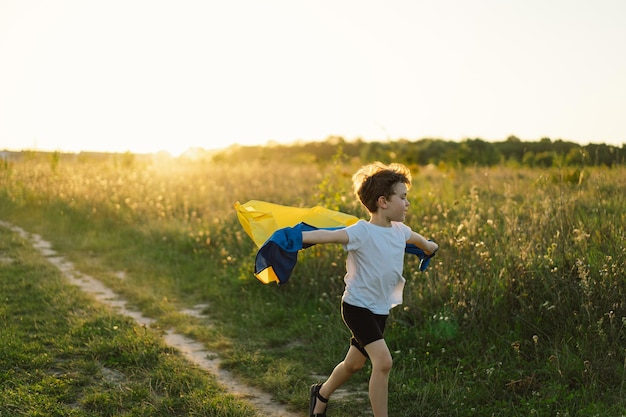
521, 313
63, 355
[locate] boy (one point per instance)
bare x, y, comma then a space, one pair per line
373, 278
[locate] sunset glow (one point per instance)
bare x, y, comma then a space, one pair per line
146, 75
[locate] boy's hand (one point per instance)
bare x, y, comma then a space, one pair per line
426, 259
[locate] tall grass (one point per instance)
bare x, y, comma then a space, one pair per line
521, 313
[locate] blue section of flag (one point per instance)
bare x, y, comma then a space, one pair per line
280, 251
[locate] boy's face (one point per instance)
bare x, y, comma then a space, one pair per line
398, 205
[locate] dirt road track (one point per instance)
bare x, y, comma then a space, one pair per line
192, 350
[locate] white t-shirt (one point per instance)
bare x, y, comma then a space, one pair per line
374, 265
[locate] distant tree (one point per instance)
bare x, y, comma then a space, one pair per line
563, 148
575, 157
528, 159
601, 154
512, 152
545, 159
375, 151
512, 149
427, 151
513, 139
479, 152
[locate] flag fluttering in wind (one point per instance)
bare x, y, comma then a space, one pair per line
277, 231
260, 219
277, 257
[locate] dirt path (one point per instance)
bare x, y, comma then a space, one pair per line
192, 350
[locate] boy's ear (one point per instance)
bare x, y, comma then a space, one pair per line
382, 202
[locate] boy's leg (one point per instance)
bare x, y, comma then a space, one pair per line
379, 380
352, 363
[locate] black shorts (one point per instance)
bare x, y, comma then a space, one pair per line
365, 326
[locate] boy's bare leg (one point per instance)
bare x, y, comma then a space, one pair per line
352, 363
379, 380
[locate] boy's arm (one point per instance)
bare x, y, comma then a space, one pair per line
428, 246
314, 237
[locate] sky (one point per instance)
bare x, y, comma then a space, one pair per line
153, 75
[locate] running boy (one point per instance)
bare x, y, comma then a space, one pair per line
373, 280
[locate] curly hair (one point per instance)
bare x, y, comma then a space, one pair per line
377, 179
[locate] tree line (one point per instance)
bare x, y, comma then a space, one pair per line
544, 153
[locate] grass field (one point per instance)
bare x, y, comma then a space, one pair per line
521, 313
62, 355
